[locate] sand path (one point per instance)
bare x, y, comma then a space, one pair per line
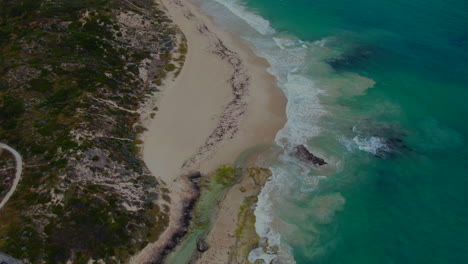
19, 170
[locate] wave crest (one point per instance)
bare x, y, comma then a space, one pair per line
255, 21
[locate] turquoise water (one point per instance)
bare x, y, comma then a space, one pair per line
379, 89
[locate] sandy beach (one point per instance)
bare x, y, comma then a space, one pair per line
222, 102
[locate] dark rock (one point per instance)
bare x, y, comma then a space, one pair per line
202, 245
187, 208
193, 177
302, 153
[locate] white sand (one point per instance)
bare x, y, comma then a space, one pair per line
200, 101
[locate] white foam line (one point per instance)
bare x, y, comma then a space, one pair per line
286, 56
255, 21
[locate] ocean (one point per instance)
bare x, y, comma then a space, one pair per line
377, 89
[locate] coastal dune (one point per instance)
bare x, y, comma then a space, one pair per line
222, 102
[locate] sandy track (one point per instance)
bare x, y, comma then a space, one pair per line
19, 170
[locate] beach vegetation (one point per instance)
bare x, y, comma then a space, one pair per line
183, 47
169, 67
225, 175
166, 56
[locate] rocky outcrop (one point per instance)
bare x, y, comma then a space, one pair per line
202, 245
184, 224
302, 153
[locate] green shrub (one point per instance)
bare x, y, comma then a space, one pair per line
40, 85
225, 175
169, 67
62, 97
11, 107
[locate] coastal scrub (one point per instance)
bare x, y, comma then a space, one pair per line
225, 175
73, 75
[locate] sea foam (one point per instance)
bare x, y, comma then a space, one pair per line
255, 21
373, 145
290, 61
287, 56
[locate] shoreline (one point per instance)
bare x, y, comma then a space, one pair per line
223, 225
223, 102
232, 233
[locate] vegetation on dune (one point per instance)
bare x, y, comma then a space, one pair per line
70, 82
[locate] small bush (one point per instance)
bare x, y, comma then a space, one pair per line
11, 107
40, 85
169, 67
225, 175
